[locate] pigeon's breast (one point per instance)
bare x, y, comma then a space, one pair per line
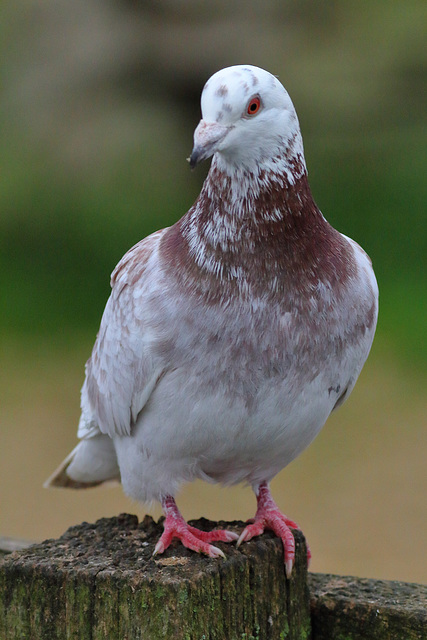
251, 381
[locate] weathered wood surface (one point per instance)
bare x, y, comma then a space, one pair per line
346, 608
101, 581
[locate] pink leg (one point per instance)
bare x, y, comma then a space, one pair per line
192, 538
268, 516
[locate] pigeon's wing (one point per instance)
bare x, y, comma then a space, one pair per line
121, 372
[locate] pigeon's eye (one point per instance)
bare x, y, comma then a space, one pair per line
253, 106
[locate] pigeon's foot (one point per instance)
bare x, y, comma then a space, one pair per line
268, 516
192, 538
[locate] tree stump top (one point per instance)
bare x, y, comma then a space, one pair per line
101, 581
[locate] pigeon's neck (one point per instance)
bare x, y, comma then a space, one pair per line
244, 201
247, 213
266, 238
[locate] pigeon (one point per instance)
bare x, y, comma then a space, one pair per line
229, 337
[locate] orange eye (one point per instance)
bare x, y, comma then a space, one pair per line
253, 106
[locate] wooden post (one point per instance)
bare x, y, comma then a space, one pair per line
350, 608
101, 581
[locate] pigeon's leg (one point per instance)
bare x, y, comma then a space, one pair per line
192, 538
268, 516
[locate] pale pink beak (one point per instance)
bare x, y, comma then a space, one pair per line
207, 137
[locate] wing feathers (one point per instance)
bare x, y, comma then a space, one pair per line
121, 373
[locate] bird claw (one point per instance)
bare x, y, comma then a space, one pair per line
214, 552
242, 538
216, 535
176, 527
268, 516
159, 548
256, 528
277, 523
191, 541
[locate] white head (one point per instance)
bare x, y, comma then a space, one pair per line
249, 122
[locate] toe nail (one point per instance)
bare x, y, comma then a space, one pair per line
216, 553
232, 536
159, 548
241, 538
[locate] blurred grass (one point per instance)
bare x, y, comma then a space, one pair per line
62, 234
373, 189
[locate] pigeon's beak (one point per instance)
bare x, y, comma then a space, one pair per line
207, 137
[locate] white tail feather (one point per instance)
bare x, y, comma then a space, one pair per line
91, 463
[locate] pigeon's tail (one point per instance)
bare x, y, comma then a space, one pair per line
92, 463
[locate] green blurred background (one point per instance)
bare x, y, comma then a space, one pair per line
100, 99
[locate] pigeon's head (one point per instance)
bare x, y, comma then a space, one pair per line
248, 119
